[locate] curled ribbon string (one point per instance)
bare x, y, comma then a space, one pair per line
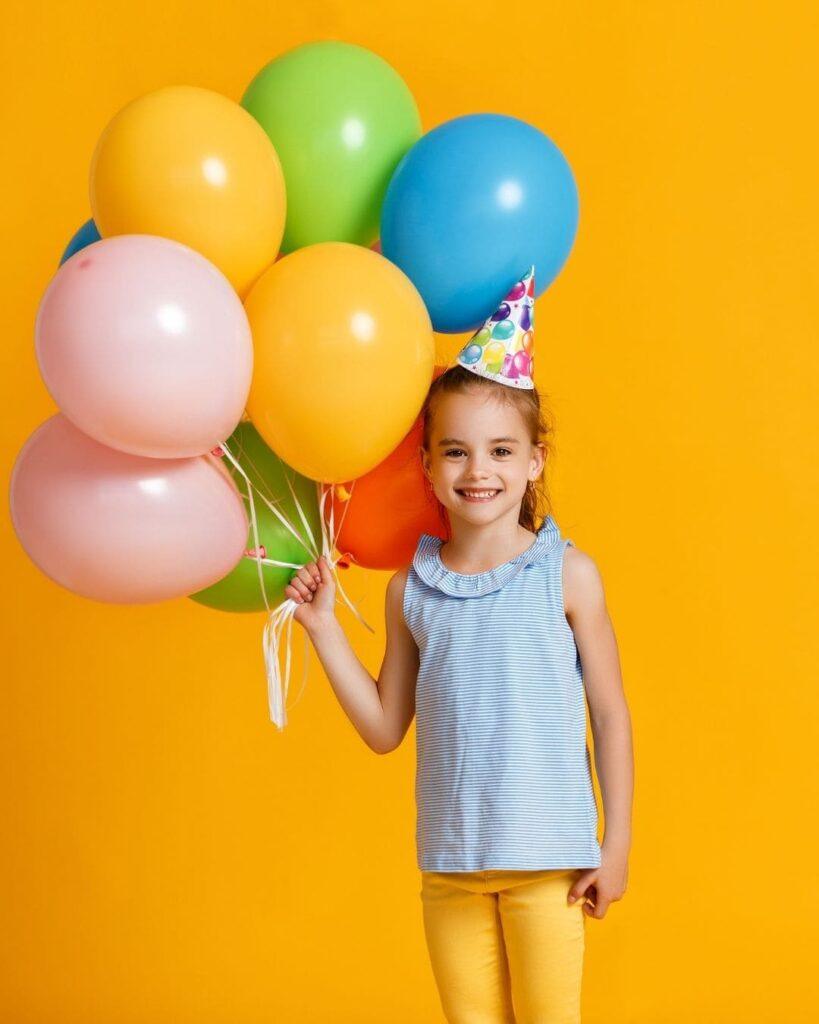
280, 619
308, 545
224, 450
305, 522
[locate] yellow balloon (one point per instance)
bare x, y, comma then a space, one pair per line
343, 358
189, 164
447, 347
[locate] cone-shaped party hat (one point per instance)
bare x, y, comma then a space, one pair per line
504, 348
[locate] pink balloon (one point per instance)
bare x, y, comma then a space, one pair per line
123, 528
145, 346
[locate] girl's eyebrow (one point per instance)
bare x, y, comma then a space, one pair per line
495, 440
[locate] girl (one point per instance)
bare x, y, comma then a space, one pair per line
495, 639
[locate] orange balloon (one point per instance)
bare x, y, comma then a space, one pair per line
343, 356
390, 507
189, 164
447, 347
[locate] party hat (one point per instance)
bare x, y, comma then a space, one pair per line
504, 348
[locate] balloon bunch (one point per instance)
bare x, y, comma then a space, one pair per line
238, 360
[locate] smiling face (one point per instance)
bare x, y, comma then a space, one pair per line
480, 457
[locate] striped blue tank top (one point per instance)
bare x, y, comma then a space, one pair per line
503, 776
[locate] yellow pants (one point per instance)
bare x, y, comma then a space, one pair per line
506, 947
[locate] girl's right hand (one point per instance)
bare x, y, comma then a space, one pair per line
314, 590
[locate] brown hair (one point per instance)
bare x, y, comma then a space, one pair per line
457, 379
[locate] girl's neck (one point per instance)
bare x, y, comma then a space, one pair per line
476, 548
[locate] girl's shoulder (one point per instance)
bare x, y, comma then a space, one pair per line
396, 599
397, 587
582, 581
398, 581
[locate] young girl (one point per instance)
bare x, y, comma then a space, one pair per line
495, 638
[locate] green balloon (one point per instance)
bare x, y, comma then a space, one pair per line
340, 119
240, 590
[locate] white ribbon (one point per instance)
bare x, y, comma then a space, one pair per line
223, 449
280, 618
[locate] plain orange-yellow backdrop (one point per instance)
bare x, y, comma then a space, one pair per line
169, 857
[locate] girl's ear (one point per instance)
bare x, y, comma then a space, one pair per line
424, 460
538, 460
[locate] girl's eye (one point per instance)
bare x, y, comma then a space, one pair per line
459, 451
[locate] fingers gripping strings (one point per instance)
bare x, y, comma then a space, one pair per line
280, 619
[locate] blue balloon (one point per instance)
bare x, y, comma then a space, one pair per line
86, 235
471, 206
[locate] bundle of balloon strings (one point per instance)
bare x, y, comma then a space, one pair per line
280, 618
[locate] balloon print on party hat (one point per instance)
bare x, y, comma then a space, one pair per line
504, 348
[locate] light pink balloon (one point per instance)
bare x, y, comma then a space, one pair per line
145, 346
123, 528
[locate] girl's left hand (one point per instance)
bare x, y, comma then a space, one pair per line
601, 886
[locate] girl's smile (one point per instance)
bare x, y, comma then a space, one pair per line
477, 496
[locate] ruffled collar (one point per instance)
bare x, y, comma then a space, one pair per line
428, 564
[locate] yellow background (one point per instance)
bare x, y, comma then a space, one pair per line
170, 857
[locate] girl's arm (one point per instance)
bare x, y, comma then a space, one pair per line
587, 614
381, 710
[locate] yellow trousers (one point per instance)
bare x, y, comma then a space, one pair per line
506, 947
